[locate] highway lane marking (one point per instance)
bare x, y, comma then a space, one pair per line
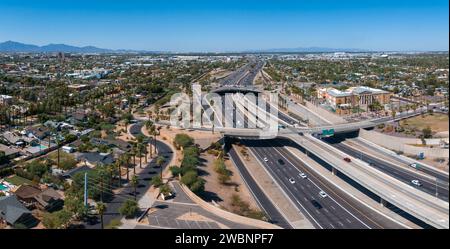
340, 223
343, 207
397, 172
292, 195
332, 225
326, 210
348, 220
253, 193
335, 194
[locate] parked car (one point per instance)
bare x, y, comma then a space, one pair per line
347, 159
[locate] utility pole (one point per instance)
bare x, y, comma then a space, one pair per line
85, 190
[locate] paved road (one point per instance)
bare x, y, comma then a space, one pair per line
433, 173
428, 186
150, 170
336, 211
263, 201
168, 214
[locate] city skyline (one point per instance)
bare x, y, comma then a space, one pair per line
230, 26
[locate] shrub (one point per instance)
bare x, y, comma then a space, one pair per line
156, 181
129, 209
175, 170
189, 178
183, 140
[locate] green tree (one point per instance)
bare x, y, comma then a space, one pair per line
101, 208
57, 220
427, 132
183, 140
156, 181
175, 170
129, 209
135, 183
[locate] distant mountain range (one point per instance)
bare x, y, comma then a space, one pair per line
12, 46
309, 50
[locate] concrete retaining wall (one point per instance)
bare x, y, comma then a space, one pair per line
403, 144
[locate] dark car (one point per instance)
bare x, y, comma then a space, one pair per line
347, 159
316, 204
280, 161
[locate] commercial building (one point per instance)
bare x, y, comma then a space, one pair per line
343, 102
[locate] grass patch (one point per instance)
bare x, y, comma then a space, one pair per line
17, 180
437, 122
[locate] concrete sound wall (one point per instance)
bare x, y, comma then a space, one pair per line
405, 145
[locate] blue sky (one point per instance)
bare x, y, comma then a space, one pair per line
231, 25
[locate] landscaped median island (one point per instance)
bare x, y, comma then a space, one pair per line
210, 175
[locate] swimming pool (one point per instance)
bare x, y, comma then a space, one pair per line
3, 187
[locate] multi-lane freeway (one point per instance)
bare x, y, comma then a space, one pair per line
428, 184
336, 210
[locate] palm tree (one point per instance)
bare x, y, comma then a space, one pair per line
133, 153
101, 208
134, 183
139, 149
160, 161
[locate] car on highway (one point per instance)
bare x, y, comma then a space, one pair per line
280, 161
291, 180
265, 159
302, 175
323, 194
316, 204
347, 159
416, 182
413, 165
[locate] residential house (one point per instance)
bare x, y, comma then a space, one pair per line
72, 172
49, 200
26, 194
96, 158
39, 132
14, 213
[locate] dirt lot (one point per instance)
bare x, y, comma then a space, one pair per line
437, 122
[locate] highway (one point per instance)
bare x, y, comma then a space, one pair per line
401, 160
263, 201
428, 185
334, 211
429, 209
